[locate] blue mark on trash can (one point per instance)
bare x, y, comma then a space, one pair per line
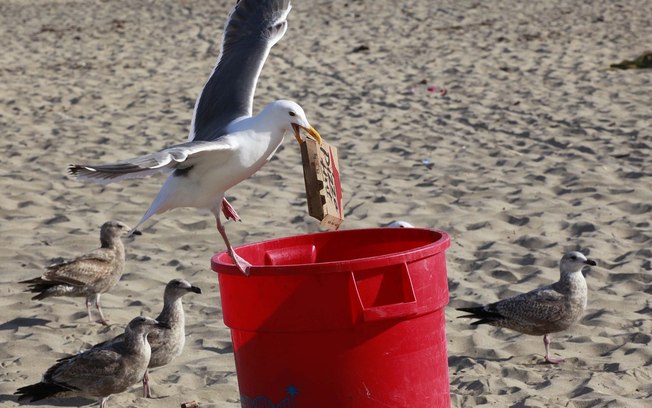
262, 401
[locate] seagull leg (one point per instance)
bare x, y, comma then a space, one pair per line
229, 211
88, 309
104, 403
240, 263
147, 392
99, 309
549, 358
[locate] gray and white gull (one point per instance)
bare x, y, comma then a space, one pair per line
100, 371
226, 144
545, 310
88, 275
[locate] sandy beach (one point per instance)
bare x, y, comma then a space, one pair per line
537, 148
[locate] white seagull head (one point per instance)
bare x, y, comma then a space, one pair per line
291, 117
574, 261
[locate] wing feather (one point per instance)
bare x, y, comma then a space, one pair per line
252, 28
175, 157
540, 306
84, 270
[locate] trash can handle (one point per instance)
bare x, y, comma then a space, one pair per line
404, 308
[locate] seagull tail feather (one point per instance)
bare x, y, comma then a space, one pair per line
159, 205
39, 391
40, 287
480, 312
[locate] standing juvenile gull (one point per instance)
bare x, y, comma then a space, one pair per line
88, 275
226, 144
167, 344
546, 310
100, 371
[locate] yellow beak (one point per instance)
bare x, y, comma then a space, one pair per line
312, 132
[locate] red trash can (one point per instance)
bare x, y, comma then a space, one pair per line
350, 318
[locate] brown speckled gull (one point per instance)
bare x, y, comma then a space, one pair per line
100, 371
167, 344
88, 275
546, 310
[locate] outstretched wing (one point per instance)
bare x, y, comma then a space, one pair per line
251, 30
175, 157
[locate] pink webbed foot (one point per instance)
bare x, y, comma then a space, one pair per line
229, 211
550, 359
240, 263
554, 360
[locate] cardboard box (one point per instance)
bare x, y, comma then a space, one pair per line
321, 172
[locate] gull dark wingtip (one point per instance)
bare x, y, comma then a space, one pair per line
481, 313
78, 170
39, 391
73, 169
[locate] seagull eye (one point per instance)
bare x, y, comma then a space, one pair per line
292, 113
573, 257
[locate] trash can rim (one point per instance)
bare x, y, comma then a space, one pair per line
222, 263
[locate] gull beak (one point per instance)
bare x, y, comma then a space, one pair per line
587, 263
311, 131
162, 325
195, 289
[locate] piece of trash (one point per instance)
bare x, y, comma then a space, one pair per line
429, 88
190, 404
321, 173
360, 48
436, 89
428, 163
643, 61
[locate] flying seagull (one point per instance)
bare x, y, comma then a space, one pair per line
546, 310
100, 371
88, 275
226, 143
166, 343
